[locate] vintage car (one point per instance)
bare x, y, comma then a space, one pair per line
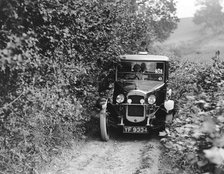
141, 101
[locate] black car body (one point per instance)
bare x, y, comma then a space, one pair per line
140, 98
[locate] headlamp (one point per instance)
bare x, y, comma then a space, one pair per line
129, 101
152, 99
120, 98
142, 101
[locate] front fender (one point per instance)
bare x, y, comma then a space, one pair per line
101, 103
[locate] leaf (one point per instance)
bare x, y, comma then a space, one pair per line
197, 133
190, 97
221, 118
202, 163
163, 140
168, 145
208, 126
215, 155
219, 141
162, 134
191, 156
179, 130
200, 102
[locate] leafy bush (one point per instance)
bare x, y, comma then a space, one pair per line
49, 75
197, 132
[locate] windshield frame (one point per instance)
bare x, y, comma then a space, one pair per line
139, 62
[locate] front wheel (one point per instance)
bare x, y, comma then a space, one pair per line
104, 129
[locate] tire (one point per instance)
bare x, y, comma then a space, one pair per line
104, 125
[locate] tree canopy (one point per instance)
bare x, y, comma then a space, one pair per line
145, 21
210, 15
129, 23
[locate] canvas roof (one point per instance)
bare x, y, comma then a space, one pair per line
144, 57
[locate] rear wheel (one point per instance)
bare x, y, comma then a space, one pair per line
104, 127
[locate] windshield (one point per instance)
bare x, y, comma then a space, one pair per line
141, 71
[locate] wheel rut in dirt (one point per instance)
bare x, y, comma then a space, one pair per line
135, 155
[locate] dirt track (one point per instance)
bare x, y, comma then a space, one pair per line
128, 154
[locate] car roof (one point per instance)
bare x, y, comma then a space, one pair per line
144, 57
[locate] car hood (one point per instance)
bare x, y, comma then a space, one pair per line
143, 85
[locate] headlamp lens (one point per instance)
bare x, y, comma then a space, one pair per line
120, 98
129, 101
142, 101
152, 99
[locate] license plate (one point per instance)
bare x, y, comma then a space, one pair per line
135, 129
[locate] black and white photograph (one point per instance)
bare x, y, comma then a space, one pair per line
111, 86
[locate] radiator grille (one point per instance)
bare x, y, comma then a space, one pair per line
136, 110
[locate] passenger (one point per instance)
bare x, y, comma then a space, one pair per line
143, 67
138, 74
137, 68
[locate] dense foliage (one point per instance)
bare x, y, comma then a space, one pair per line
195, 140
51, 55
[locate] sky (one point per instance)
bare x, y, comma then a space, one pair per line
185, 8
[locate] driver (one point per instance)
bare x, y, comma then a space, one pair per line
137, 68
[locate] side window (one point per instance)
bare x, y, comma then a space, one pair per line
159, 68
153, 67
124, 67
150, 67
